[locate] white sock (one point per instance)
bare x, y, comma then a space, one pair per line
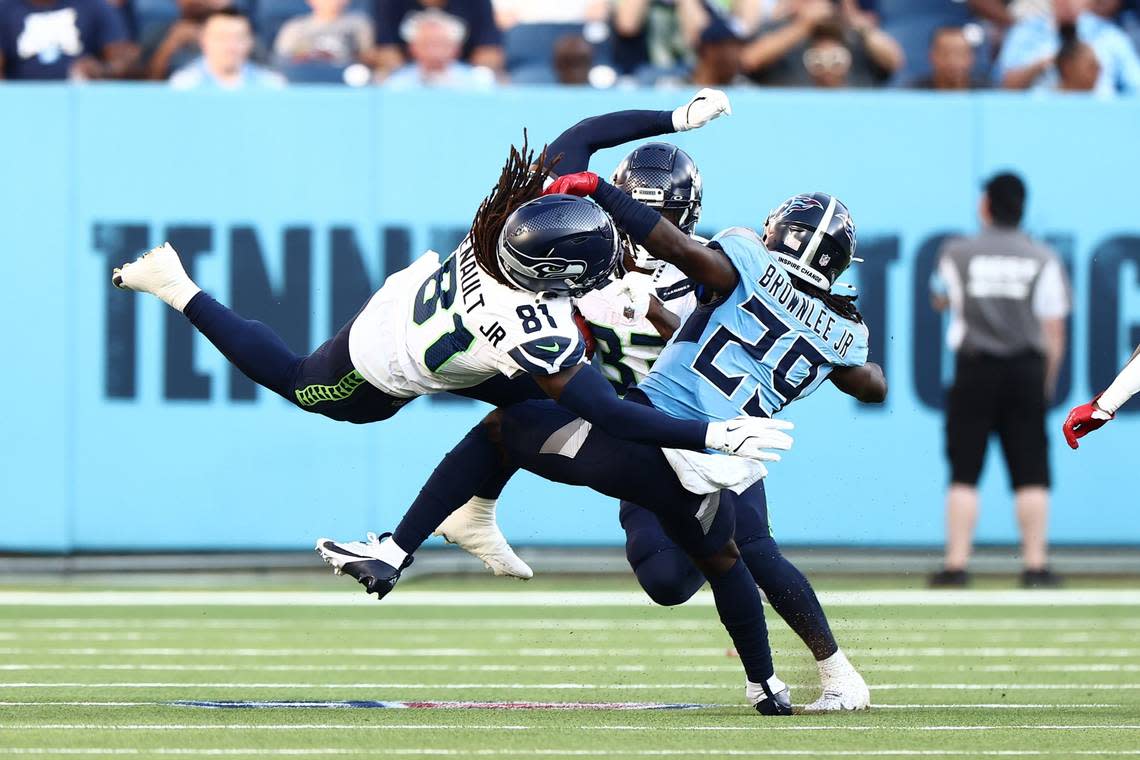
484, 508
389, 551
755, 692
177, 296
835, 666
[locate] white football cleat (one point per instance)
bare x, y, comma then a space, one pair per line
842, 695
472, 528
159, 272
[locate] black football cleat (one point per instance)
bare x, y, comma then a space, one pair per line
359, 559
779, 703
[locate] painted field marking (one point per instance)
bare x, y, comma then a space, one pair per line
891, 623
761, 726
613, 752
876, 706
908, 598
564, 686
870, 670
872, 654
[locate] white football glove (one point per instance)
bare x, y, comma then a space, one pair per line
705, 106
634, 296
750, 437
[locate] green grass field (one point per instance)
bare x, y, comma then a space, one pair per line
977, 675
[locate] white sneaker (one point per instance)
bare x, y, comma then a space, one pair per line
472, 528
842, 694
159, 272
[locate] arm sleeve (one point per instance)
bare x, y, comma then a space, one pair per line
1125, 386
637, 219
581, 141
590, 396
1051, 298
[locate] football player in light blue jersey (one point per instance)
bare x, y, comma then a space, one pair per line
779, 342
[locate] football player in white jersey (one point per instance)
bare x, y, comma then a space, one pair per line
1094, 415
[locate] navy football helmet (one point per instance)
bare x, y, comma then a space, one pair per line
559, 244
665, 177
813, 236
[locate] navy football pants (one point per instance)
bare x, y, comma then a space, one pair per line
324, 382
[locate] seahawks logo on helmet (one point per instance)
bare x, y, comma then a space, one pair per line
558, 268
558, 244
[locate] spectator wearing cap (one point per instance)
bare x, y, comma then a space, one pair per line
227, 42
718, 54
482, 43
1008, 300
777, 54
434, 40
951, 62
1028, 57
327, 35
63, 39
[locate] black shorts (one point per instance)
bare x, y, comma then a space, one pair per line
1004, 396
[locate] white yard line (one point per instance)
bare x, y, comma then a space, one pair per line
612, 752
760, 726
561, 686
877, 705
500, 668
412, 598
1077, 622
332, 650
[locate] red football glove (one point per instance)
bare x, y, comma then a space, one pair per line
580, 184
1082, 420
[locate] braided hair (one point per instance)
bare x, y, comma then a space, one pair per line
844, 306
521, 180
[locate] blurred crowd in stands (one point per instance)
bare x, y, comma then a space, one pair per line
1065, 45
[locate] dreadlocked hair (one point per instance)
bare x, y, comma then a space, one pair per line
844, 306
521, 180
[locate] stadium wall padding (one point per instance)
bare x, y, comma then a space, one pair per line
124, 430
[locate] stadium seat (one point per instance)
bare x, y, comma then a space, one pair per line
312, 73
533, 44
944, 11
153, 17
533, 74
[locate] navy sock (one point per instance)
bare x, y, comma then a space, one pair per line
253, 348
742, 613
790, 594
493, 487
463, 470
